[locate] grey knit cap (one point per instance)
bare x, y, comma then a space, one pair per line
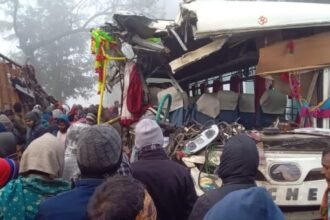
148, 132
99, 150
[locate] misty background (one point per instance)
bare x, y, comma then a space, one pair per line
54, 37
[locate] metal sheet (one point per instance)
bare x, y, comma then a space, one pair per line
196, 55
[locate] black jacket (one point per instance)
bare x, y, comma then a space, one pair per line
169, 184
238, 168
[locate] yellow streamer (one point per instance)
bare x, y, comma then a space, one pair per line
99, 113
102, 84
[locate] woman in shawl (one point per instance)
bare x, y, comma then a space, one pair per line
40, 167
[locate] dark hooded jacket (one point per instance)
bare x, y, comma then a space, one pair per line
37, 129
238, 168
249, 204
168, 183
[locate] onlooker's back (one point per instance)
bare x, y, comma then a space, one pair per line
169, 184
40, 167
99, 155
238, 167
249, 204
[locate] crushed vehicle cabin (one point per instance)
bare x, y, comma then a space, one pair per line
219, 70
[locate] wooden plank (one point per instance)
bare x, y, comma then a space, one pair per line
308, 53
8, 94
1, 83
6, 89
312, 87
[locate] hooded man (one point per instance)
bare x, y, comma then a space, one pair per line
168, 183
35, 128
248, 204
238, 167
99, 155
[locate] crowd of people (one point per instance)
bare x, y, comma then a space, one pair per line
70, 167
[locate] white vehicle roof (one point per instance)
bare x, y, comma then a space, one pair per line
216, 17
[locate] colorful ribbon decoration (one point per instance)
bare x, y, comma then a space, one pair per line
100, 43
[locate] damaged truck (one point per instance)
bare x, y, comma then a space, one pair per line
18, 83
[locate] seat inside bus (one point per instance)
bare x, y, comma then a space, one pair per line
272, 106
246, 106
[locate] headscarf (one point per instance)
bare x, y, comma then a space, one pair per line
63, 118
239, 160
248, 204
45, 154
5, 121
8, 171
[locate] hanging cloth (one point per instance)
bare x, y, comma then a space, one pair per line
217, 86
133, 106
235, 84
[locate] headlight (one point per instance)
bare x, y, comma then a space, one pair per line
287, 172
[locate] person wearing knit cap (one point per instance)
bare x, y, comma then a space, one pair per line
10, 125
238, 168
91, 119
99, 155
8, 171
6, 122
40, 168
52, 126
35, 128
169, 183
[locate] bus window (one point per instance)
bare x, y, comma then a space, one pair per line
248, 87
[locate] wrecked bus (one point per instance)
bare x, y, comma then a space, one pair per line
219, 70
